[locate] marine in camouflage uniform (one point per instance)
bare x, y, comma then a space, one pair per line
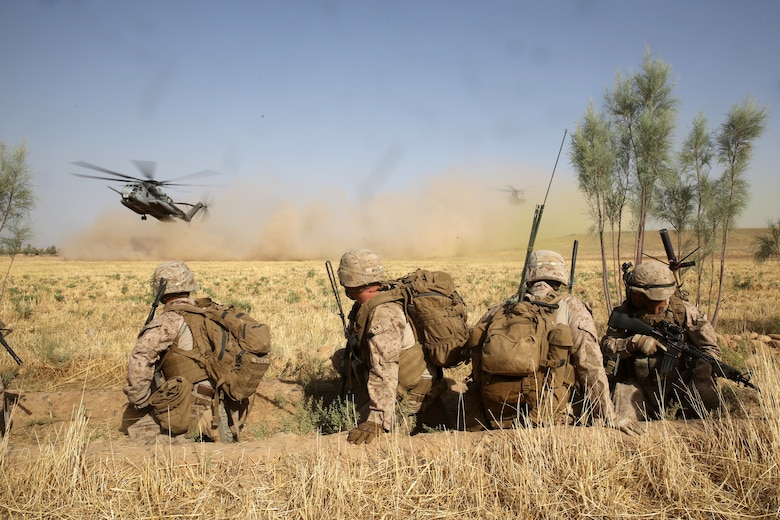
387, 363
638, 392
545, 274
165, 330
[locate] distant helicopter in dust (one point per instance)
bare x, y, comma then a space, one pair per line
145, 196
516, 195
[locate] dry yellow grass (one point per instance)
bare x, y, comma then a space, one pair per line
75, 322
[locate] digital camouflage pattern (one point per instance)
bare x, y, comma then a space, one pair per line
637, 393
152, 343
586, 356
359, 267
653, 279
546, 265
392, 368
389, 337
177, 275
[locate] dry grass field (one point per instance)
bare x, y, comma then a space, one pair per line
74, 324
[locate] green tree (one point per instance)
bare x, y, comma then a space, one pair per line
644, 109
593, 155
16, 201
767, 246
734, 147
695, 160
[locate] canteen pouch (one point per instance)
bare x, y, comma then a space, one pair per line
172, 405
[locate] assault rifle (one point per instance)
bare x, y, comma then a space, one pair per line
158, 378
156, 302
351, 353
3, 332
672, 337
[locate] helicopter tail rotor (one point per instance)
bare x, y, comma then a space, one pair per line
201, 208
208, 201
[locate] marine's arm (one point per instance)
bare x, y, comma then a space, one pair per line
701, 332
587, 357
385, 331
154, 339
617, 342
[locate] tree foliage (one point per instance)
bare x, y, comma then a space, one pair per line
643, 109
767, 246
16, 201
593, 154
734, 148
648, 179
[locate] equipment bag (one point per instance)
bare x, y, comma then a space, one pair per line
526, 359
231, 347
172, 405
516, 340
438, 314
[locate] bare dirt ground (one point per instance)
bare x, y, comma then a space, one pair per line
41, 421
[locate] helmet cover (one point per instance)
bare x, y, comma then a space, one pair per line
546, 265
359, 267
653, 279
178, 278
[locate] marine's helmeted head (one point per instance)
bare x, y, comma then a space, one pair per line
359, 267
177, 275
546, 265
653, 279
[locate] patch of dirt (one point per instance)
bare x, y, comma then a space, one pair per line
41, 421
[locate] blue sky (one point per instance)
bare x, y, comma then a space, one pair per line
305, 103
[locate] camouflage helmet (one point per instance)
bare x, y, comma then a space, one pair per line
359, 267
653, 279
546, 265
178, 278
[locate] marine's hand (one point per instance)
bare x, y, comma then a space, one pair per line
644, 344
702, 370
628, 426
364, 433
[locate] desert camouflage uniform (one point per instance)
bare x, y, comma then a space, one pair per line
586, 354
388, 350
640, 399
152, 343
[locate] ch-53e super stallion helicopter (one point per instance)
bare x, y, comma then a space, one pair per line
516, 195
145, 196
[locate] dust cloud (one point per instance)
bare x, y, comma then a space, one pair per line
445, 216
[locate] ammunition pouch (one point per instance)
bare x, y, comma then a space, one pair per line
172, 405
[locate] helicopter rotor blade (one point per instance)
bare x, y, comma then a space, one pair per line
146, 167
84, 164
101, 178
202, 173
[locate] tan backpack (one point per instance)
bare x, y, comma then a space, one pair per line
231, 348
438, 314
525, 360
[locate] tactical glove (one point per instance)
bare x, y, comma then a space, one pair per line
702, 370
644, 344
364, 433
628, 426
